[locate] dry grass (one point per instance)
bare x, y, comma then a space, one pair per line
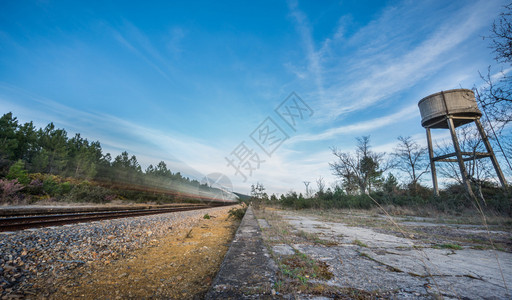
181, 265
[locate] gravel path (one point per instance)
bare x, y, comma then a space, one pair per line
45, 254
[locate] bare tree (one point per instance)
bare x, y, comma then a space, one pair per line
411, 158
320, 184
501, 35
469, 141
258, 194
495, 97
363, 169
344, 170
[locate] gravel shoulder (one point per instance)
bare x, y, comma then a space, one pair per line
149, 257
370, 256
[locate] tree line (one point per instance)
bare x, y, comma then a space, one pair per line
398, 179
31, 156
366, 177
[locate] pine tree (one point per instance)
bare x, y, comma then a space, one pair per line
8, 140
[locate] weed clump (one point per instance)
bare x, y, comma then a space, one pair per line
448, 246
360, 244
237, 213
315, 239
301, 267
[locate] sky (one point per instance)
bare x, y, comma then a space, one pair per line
256, 90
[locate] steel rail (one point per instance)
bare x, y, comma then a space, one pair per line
37, 221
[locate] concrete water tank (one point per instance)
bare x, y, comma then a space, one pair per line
459, 103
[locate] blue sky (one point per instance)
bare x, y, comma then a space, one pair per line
188, 82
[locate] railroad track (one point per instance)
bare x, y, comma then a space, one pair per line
36, 219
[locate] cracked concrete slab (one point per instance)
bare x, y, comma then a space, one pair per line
263, 223
468, 262
283, 249
347, 234
410, 268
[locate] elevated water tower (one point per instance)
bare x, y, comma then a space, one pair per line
448, 110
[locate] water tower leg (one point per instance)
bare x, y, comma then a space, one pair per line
432, 163
489, 150
463, 173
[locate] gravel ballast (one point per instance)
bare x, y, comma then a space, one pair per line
30, 257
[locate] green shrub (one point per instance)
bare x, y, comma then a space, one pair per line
17, 171
51, 187
89, 193
453, 199
237, 213
65, 188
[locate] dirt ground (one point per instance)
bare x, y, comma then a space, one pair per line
181, 265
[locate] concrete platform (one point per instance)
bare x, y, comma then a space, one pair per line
248, 271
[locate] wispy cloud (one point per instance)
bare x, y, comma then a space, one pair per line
499, 75
361, 127
175, 37
139, 44
305, 32
386, 61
